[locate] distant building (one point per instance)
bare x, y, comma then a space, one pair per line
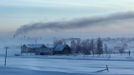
38, 49
61, 49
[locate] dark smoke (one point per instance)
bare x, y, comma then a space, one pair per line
75, 23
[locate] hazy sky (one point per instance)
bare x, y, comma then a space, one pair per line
14, 13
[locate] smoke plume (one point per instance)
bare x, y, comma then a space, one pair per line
75, 23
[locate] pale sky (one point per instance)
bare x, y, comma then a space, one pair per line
14, 13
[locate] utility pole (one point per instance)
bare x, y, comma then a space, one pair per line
6, 48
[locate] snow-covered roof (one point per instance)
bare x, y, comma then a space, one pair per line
50, 45
59, 47
34, 45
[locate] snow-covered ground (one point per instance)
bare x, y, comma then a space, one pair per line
65, 65
69, 65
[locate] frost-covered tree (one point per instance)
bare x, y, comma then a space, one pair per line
99, 46
58, 42
73, 46
92, 46
106, 48
85, 45
123, 48
76, 45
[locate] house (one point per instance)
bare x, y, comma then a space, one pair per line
38, 49
61, 49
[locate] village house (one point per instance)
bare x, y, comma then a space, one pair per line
37, 49
61, 49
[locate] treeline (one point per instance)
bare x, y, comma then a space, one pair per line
88, 46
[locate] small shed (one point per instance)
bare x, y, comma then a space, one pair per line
61, 49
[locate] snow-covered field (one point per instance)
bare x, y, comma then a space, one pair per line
68, 65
